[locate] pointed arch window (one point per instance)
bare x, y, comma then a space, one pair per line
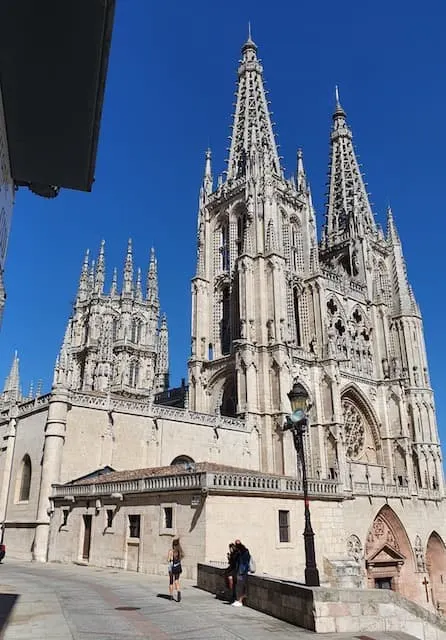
383, 284
224, 247
241, 232
228, 405
297, 248
134, 374
136, 331
297, 317
115, 329
225, 321
25, 479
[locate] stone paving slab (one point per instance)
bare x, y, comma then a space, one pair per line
71, 602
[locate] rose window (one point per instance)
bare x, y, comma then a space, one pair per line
354, 430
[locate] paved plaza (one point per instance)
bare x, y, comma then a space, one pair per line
63, 602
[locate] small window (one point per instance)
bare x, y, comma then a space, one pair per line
168, 517
65, 514
25, 482
167, 521
134, 526
284, 526
109, 518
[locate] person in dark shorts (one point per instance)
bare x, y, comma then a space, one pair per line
242, 565
175, 569
231, 571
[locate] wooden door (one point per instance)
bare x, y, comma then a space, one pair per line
87, 538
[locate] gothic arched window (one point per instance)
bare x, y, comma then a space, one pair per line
225, 321
224, 248
228, 405
297, 248
383, 284
297, 316
241, 232
136, 331
25, 479
115, 329
134, 374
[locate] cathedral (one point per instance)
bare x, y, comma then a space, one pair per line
272, 305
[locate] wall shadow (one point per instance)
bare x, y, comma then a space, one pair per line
7, 604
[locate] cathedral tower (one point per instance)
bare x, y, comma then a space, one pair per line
256, 246
114, 342
270, 307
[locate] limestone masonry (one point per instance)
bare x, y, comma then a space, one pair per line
112, 463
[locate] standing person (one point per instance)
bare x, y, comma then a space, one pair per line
242, 566
174, 558
231, 571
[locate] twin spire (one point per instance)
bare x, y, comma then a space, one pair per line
348, 210
92, 278
252, 127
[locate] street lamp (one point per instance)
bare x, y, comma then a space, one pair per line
297, 423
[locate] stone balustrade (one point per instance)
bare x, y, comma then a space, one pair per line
212, 482
393, 490
146, 408
429, 494
30, 405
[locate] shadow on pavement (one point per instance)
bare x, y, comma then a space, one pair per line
163, 595
7, 603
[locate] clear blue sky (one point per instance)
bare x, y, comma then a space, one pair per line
169, 94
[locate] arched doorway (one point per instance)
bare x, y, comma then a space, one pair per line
389, 557
436, 568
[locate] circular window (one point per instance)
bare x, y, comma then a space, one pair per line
354, 430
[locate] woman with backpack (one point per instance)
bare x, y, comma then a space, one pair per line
174, 558
243, 568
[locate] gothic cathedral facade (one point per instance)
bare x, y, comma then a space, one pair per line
272, 305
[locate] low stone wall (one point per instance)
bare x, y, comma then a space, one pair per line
280, 599
328, 610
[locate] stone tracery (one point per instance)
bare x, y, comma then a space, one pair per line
354, 430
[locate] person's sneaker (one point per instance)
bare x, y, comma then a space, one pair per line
237, 604
179, 596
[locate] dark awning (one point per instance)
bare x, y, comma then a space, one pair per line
53, 66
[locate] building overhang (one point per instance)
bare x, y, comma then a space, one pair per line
53, 67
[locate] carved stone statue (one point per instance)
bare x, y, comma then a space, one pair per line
270, 331
331, 341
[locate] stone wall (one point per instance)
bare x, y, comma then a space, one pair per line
129, 441
327, 610
21, 515
113, 547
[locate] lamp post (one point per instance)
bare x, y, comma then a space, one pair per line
297, 423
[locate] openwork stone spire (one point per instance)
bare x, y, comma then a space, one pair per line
152, 279
348, 211
82, 291
404, 299
100, 270
252, 122
162, 363
11, 391
127, 288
